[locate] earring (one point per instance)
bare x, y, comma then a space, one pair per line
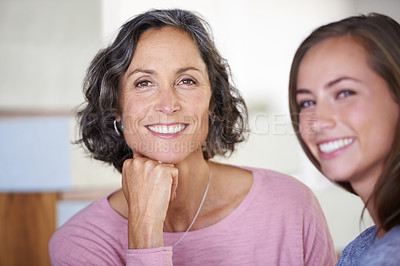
116, 128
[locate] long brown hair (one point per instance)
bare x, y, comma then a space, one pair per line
380, 37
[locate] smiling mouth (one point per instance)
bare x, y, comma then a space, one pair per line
167, 129
331, 146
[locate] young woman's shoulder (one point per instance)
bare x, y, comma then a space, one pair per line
353, 251
384, 251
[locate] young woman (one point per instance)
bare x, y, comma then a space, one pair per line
159, 105
344, 94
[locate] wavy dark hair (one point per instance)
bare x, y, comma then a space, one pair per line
380, 37
228, 111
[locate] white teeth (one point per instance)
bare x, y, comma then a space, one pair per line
167, 129
331, 146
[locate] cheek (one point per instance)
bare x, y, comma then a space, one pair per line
375, 126
382, 133
202, 113
307, 123
133, 116
199, 105
202, 121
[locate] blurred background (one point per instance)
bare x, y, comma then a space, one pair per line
45, 48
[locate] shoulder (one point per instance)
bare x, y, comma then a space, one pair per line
276, 178
93, 231
281, 185
286, 197
354, 250
281, 195
293, 208
384, 251
263, 185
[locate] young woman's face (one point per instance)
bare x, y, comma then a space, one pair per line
165, 95
348, 115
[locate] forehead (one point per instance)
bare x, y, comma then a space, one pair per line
167, 37
345, 49
334, 56
167, 46
163, 32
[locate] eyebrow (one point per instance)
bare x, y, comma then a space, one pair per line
146, 71
152, 72
329, 84
335, 81
184, 69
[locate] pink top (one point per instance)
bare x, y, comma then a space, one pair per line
279, 222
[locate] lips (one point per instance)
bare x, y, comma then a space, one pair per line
335, 145
166, 129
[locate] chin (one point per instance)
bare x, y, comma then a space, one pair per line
171, 153
336, 176
169, 158
338, 179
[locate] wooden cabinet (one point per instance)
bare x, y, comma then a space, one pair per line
27, 221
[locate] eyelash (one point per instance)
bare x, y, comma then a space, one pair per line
341, 95
346, 93
301, 105
187, 82
146, 83
140, 83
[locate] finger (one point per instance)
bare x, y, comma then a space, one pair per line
174, 185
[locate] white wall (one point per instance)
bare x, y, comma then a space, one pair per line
45, 47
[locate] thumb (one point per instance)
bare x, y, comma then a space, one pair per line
174, 186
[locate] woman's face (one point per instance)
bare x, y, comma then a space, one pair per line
347, 113
165, 95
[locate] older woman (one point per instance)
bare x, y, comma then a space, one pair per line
159, 105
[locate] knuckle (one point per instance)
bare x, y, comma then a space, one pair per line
126, 164
138, 162
148, 164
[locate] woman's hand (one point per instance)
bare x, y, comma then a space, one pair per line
148, 187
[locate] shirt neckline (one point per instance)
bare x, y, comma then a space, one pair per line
113, 214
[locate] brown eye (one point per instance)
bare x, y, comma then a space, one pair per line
186, 82
144, 84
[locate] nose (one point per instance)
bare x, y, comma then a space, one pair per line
324, 117
168, 101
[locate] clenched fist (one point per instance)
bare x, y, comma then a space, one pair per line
148, 186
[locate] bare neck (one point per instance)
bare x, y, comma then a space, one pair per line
193, 177
364, 189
